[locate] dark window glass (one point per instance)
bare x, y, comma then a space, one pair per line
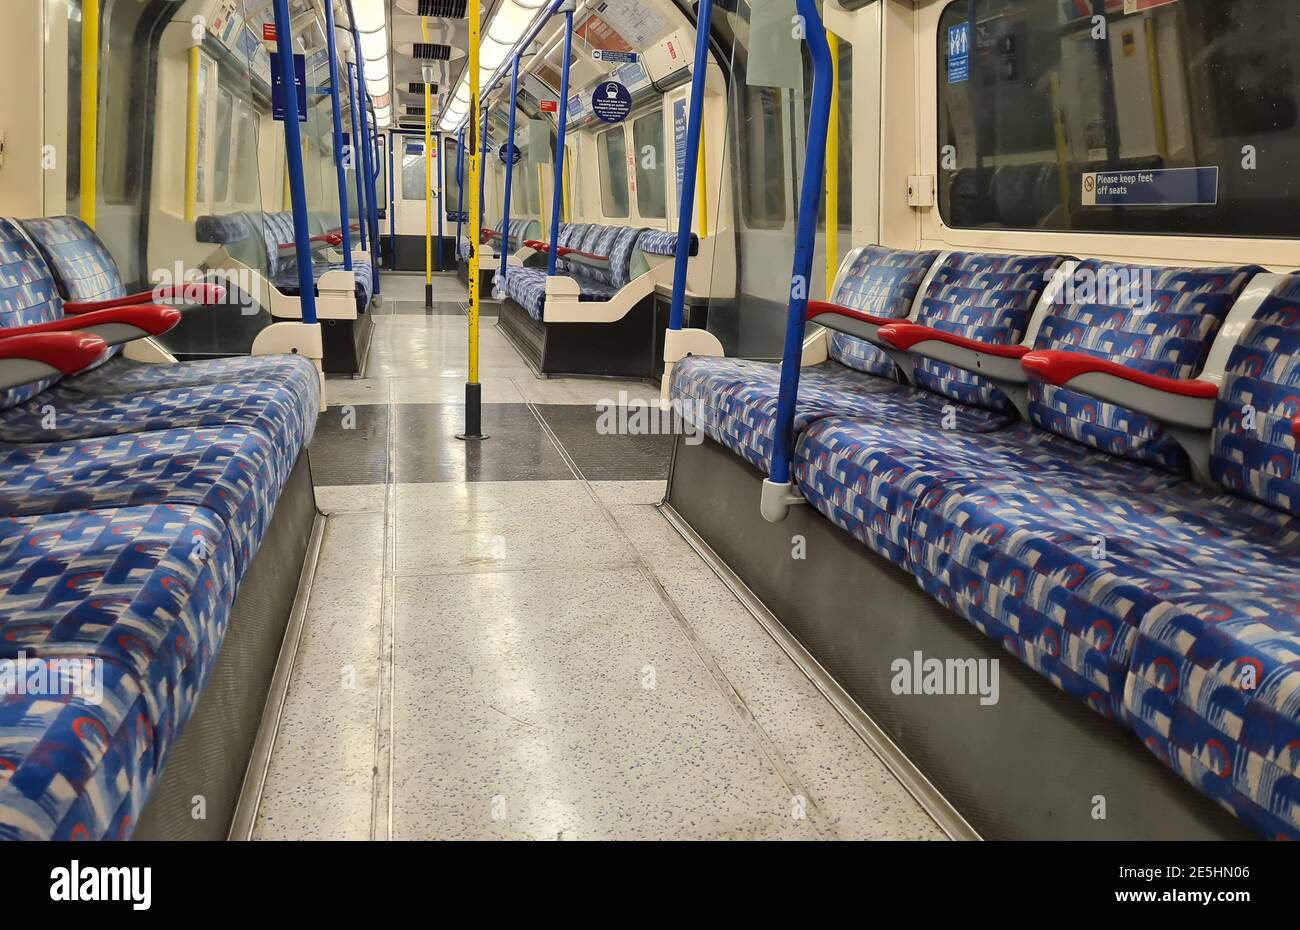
1179, 118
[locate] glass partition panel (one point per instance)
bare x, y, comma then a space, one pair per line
183, 113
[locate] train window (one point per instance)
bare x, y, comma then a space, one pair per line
413, 171
762, 157
201, 184
648, 141
613, 175
225, 127
451, 190
845, 173
1180, 118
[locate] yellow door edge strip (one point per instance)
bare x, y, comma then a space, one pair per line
192, 137
89, 110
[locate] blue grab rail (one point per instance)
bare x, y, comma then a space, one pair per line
371, 216
686, 200
293, 146
510, 172
814, 170
344, 219
561, 121
460, 186
356, 143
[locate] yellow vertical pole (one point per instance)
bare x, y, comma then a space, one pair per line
833, 169
89, 109
475, 167
702, 184
568, 188
192, 138
542, 218
428, 181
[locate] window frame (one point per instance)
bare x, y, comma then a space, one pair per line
653, 117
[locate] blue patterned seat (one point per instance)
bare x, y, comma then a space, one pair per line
527, 286
84, 270
980, 296
282, 264
146, 591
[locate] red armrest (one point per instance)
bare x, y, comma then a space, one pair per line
537, 245
590, 257
65, 352
201, 294
1295, 429
326, 238
818, 307
906, 335
1060, 368
150, 319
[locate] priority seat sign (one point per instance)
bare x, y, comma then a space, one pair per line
1158, 187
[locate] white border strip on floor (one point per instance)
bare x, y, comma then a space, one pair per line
244, 821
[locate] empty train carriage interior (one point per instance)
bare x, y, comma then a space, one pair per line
650, 419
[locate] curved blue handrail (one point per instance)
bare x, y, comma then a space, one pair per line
293, 146
510, 172
356, 147
686, 198
460, 186
814, 170
371, 216
337, 106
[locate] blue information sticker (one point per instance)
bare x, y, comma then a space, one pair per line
1158, 187
509, 151
958, 53
605, 55
300, 84
611, 102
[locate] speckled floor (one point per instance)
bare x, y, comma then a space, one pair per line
508, 640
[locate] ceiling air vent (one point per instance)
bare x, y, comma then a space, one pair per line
447, 9
414, 111
432, 51
415, 87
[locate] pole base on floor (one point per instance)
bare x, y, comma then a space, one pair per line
473, 413
428, 295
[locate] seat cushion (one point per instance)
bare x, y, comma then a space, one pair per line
74, 768
868, 475
882, 282
1161, 321
734, 402
236, 473
1175, 609
985, 297
283, 408
527, 287
83, 267
123, 376
144, 590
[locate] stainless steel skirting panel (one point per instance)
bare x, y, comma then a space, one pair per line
1035, 765
220, 756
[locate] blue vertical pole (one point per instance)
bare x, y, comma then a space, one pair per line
686, 200
371, 215
392, 200
442, 180
562, 119
293, 146
338, 136
356, 147
805, 238
460, 186
510, 171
